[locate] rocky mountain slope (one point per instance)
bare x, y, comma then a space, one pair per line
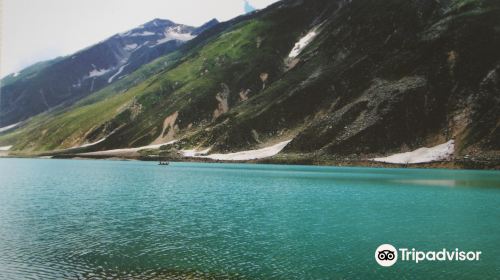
338, 79
67, 79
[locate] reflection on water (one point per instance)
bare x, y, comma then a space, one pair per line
67, 219
437, 183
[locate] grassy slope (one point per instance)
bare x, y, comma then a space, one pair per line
190, 88
233, 61
66, 128
235, 58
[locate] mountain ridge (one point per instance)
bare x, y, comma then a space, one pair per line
68, 79
340, 80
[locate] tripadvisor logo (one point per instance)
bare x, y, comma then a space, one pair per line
387, 255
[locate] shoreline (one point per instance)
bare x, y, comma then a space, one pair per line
284, 160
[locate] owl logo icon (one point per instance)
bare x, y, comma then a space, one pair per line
386, 255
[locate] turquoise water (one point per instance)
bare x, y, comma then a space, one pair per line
68, 219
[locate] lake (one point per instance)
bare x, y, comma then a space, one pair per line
136, 220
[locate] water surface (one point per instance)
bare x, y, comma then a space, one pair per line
94, 219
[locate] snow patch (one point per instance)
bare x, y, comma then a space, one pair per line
302, 43
144, 33
117, 152
436, 153
78, 84
130, 47
117, 73
5, 128
16, 74
92, 144
175, 33
98, 72
244, 155
125, 34
195, 153
5, 148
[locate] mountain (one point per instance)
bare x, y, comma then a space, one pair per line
333, 80
65, 80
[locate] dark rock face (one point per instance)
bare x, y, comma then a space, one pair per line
380, 76
65, 80
387, 114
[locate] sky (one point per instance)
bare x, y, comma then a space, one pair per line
36, 30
